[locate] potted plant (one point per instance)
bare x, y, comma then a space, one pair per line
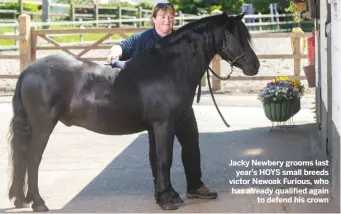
297, 8
281, 98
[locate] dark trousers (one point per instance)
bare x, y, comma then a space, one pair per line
188, 136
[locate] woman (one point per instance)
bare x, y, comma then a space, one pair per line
187, 133
162, 20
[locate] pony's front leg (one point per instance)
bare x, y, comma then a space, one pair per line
153, 164
164, 135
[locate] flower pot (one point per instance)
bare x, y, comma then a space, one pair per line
301, 6
309, 72
296, 106
279, 112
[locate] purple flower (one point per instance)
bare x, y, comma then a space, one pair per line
279, 91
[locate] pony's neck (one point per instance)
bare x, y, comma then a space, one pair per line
201, 58
194, 57
200, 63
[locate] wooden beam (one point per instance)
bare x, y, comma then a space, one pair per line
56, 44
216, 67
95, 58
25, 45
93, 30
75, 47
244, 78
94, 44
282, 56
280, 35
9, 76
33, 44
12, 57
14, 37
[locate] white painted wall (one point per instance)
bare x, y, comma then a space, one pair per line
336, 62
336, 86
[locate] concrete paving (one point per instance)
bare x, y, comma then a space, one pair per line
87, 172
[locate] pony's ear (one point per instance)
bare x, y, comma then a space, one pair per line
240, 16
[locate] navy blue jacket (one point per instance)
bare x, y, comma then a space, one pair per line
137, 42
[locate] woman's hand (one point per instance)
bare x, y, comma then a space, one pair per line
115, 53
111, 57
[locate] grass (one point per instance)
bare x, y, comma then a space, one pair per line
62, 38
86, 37
6, 42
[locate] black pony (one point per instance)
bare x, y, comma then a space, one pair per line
155, 91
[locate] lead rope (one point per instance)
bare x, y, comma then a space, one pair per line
215, 104
211, 92
199, 93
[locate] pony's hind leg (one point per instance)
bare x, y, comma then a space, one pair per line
41, 132
36, 109
43, 117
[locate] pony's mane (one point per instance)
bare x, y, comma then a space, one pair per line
203, 27
185, 34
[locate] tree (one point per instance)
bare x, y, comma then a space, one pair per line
229, 6
78, 1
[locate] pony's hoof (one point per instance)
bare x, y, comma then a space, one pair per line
175, 197
20, 204
40, 208
168, 206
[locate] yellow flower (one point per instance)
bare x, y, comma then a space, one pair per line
280, 78
296, 82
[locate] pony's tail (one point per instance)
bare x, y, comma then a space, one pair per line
19, 136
